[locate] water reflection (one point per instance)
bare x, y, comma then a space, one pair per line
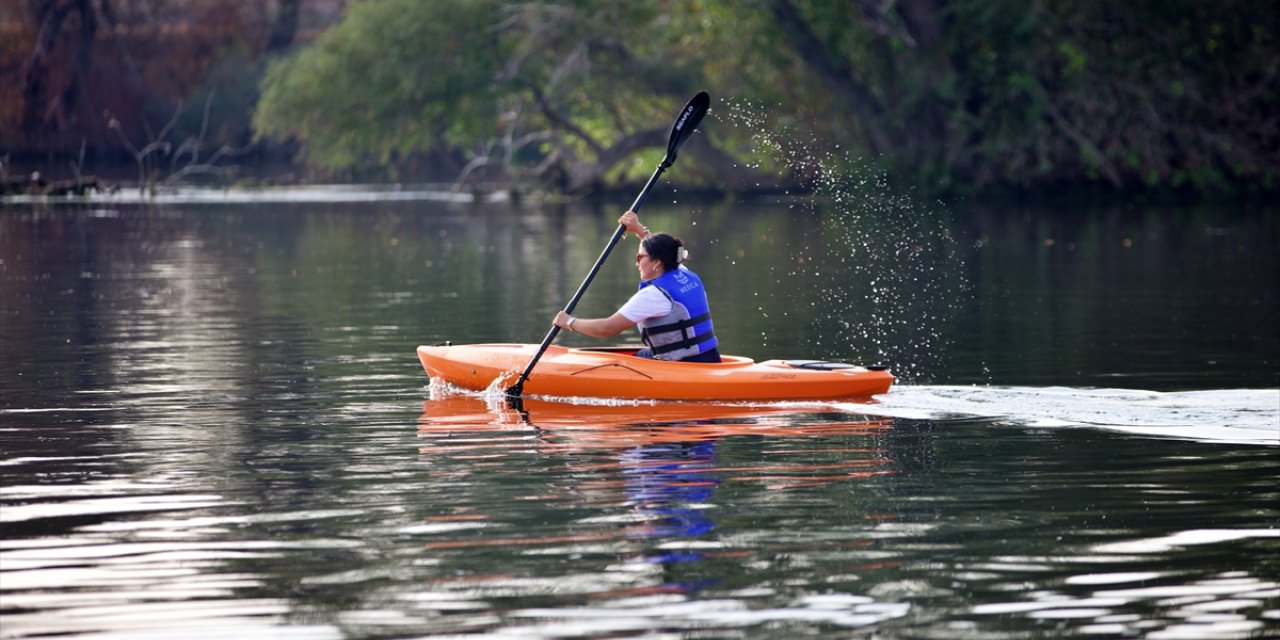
670, 486
656, 484
462, 424
212, 423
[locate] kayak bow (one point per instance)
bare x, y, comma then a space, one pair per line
615, 372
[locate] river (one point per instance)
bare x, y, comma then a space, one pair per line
213, 424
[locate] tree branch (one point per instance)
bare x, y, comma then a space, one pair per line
834, 69
561, 121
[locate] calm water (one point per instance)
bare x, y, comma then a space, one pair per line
213, 425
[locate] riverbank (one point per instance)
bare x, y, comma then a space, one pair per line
95, 190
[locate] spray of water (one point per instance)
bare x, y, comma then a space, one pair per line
888, 277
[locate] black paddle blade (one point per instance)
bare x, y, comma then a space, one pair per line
686, 122
514, 399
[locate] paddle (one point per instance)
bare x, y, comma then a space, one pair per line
686, 122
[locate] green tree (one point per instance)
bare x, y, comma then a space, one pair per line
510, 90
1009, 94
393, 78
960, 95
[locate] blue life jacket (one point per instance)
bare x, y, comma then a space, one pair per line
685, 331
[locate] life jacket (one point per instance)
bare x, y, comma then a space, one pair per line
685, 331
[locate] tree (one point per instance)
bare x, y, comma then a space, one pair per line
575, 95
393, 79
541, 91
981, 94
70, 68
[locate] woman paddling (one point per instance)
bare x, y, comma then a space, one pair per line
670, 308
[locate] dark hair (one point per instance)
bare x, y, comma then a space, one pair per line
664, 248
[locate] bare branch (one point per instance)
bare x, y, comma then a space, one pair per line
559, 120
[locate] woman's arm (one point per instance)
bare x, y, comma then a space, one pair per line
595, 327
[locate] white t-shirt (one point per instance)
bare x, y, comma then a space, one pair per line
648, 302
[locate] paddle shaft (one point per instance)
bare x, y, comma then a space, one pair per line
684, 127
518, 388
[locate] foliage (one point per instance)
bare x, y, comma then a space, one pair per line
987, 94
507, 84
576, 95
392, 78
964, 94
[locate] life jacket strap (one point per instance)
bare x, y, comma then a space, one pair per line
680, 325
683, 344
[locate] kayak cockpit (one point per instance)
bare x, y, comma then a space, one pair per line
733, 361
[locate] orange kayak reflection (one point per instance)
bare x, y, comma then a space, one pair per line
462, 426
623, 425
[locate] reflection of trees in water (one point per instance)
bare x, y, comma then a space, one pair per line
174, 345
125, 334
911, 445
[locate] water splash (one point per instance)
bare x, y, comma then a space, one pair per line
886, 266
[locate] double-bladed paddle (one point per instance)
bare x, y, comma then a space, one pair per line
686, 122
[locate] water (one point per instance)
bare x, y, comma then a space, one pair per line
212, 424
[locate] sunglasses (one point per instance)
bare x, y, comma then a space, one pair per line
640, 256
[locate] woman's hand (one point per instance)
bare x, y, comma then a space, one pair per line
562, 320
632, 222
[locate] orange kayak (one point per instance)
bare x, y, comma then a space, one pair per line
615, 372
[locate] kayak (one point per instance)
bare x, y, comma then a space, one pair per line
615, 372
